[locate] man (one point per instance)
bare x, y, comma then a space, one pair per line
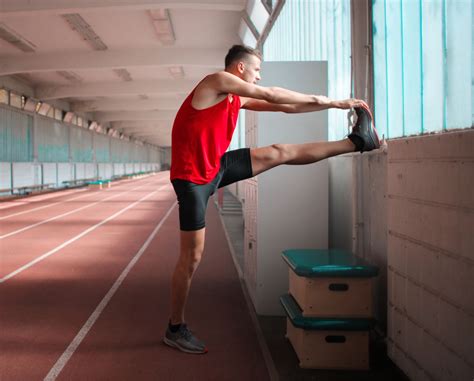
202, 132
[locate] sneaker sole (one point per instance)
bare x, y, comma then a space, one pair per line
182, 349
375, 143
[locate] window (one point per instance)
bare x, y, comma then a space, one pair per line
422, 54
16, 100
4, 96
58, 114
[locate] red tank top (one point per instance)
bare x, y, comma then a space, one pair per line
200, 138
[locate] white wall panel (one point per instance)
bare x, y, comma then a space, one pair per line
90, 170
80, 171
65, 172
25, 174
5, 175
50, 173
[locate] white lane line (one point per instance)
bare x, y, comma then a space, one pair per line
67, 213
67, 354
39, 198
56, 203
87, 231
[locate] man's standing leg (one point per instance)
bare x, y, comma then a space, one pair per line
177, 335
191, 248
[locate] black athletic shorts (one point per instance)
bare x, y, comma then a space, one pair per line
192, 198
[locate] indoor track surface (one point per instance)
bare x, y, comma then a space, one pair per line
84, 290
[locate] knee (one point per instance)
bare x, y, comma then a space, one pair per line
190, 261
280, 152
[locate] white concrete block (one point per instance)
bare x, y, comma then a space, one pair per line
414, 260
397, 253
450, 145
430, 228
399, 291
466, 286
414, 340
430, 357
413, 301
430, 268
466, 327
396, 179
464, 190
455, 276
429, 147
400, 149
466, 234
453, 368
444, 187
449, 329
430, 315
466, 145
397, 327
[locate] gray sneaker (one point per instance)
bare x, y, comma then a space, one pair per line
184, 340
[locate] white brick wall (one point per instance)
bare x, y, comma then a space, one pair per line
430, 189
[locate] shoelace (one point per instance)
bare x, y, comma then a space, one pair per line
186, 333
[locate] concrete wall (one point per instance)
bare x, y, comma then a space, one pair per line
411, 212
358, 215
431, 255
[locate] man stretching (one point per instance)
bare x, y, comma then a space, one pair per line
202, 132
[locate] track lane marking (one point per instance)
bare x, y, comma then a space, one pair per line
28, 227
85, 232
56, 203
68, 353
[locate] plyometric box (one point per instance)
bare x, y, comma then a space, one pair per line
330, 283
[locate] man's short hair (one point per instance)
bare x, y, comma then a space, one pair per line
239, 52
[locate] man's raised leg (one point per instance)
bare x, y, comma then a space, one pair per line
265, 158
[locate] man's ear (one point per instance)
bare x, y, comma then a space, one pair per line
240, 67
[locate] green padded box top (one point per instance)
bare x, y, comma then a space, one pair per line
97, 182
293, 311
312, 263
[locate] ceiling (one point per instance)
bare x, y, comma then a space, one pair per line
127, 64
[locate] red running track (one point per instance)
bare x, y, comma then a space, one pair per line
86, 295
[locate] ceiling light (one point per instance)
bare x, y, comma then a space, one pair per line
68, 117
15, 39
44, 108
176, 71
80, 25
31, 105
164, 28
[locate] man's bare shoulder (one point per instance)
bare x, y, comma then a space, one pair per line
214, 80
208, 92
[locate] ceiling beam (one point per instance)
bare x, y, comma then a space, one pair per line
112, 116
130, 104
161, 87
139, 124
110, 59
28, 7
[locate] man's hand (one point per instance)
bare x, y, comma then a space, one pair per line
349, 103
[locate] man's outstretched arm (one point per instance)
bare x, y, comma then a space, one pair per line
321, 103
226, 83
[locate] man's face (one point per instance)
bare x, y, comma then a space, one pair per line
251, 69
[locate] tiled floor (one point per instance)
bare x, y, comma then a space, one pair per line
274, 328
